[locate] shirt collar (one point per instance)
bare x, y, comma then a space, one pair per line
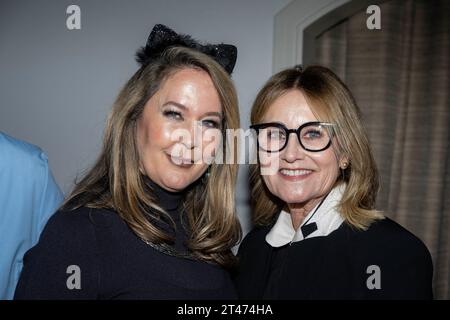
325, 215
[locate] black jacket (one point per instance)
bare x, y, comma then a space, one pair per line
384, 262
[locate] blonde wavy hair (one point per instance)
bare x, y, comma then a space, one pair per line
330, 101
115, 181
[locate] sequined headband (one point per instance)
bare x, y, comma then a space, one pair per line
162, 37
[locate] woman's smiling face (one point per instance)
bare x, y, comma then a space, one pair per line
295, 175
175, 128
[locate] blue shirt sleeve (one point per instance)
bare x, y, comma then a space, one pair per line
29, 195
51, 199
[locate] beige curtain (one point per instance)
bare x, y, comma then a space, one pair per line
399, 76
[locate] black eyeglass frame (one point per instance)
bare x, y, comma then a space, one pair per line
297, 131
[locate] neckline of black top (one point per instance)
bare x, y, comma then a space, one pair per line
169, 201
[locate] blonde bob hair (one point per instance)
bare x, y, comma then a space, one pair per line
115, 181
330, 101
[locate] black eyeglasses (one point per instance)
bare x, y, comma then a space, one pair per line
313, 136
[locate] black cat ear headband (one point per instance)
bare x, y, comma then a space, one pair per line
162, 37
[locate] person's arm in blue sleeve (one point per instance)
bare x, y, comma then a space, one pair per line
51, 199
29, 195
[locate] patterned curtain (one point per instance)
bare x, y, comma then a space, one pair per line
399, 77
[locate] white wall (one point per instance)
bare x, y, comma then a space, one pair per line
57, 86
289, 25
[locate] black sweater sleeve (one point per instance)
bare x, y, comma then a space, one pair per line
63, 265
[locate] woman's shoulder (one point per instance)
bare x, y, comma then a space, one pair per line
67, 244
83, 215
395, 255
386, 236
79, 223
393, 231
254, 237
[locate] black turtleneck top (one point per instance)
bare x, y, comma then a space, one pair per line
93, 254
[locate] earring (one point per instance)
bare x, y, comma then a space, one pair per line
206, 175
342, 168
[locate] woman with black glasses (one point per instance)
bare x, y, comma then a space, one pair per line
318, 234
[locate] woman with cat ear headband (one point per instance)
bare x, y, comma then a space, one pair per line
151, 220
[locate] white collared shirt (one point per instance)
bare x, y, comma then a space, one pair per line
327, 219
